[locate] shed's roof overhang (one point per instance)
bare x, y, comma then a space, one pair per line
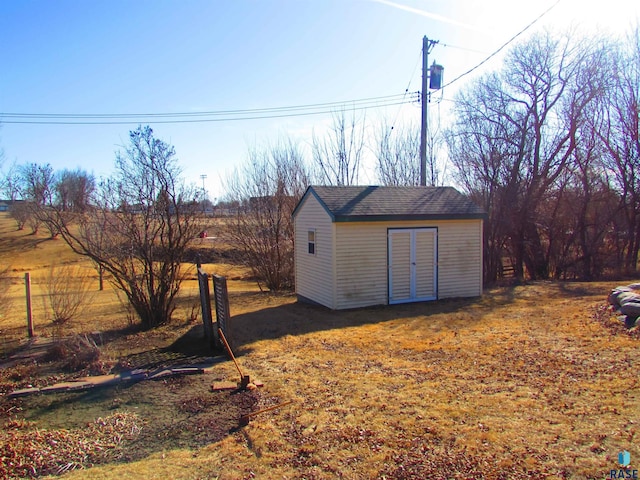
385, 204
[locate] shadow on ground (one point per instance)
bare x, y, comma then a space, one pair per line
296, 318
291, 317
300, 318
27, 241
190, 349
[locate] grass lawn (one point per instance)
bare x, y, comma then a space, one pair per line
533, 381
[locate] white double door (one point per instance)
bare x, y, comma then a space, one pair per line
412, 255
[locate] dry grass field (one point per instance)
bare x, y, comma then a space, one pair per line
532, 381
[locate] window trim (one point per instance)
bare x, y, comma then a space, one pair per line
312, 243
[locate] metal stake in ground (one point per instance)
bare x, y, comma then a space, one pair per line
244, 379
244, 420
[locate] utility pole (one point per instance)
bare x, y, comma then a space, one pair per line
427, 46
204, 193
203, 177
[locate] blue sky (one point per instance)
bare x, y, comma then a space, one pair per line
160, 56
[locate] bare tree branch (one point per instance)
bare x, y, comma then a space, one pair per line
266, 191
138, 231
338, 156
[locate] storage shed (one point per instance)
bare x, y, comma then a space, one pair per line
367, 245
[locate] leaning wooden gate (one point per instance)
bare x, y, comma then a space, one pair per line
221, 297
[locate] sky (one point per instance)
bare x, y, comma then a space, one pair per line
152, 57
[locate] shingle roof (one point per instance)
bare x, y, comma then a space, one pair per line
373, 203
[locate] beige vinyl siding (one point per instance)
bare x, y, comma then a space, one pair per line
361, 260
314, 273
460, 258
361, 264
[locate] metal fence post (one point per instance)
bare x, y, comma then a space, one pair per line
27, 284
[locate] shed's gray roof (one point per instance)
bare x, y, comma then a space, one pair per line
373, 203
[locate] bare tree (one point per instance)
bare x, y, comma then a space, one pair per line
398, 155
12, 189
67, 292
597, 205
11, 184
21, 186
73, 189
436, 152
22, 212
577, 213
479, 148
522, 124
266, 192
619, 132
37, 183
141, 223
34, 219
338, 156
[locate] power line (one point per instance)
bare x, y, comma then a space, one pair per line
205, 120
504, 45
203, 116
212, 112
462, 48
415, 67
201, 120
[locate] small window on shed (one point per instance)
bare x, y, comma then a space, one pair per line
312, 242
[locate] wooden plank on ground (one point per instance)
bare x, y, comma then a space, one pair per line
217, 386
